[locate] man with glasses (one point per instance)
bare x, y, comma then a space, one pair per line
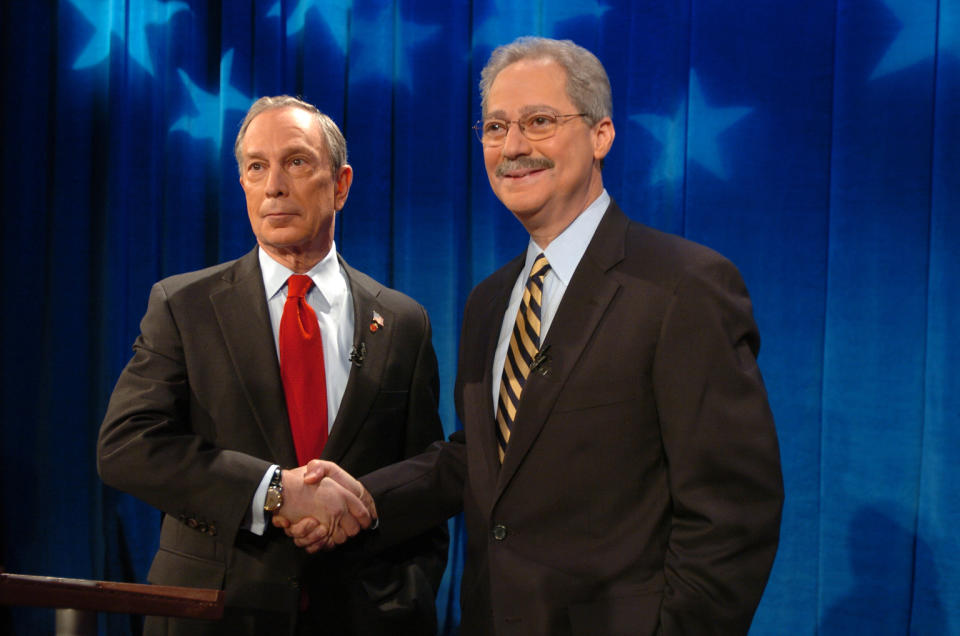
618, 468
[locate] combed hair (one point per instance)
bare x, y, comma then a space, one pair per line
587, 83
336, 144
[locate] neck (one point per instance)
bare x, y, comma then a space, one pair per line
543, 234
299, 259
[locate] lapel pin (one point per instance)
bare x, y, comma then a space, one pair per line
376, 323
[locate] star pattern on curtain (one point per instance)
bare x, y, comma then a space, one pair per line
912, 43
333, 12
508, 20
386, 58
209, 108
130, 29
700, 137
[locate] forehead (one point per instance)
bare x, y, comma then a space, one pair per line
527, 85
283, 127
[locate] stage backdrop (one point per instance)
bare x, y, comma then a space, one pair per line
815, 143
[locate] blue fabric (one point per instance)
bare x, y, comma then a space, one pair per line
817, 144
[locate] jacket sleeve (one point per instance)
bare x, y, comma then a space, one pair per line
722, 455
424, 428
149, 444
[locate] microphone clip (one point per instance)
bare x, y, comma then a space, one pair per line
358, 353
541, 362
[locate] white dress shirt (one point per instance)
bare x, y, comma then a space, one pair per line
564, 254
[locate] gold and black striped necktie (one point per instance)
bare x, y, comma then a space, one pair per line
524, 345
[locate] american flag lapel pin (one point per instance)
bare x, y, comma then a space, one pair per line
376, 322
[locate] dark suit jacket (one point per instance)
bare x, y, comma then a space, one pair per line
641, 489
198, 415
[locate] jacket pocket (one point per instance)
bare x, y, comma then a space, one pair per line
171, 567
635, 614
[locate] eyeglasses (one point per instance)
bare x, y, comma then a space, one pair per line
535, 127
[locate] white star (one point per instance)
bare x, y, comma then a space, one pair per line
949, 37
671, 133
509, 20
703, 127
110, 20
916, 39
334, 13
210, 108
384, 56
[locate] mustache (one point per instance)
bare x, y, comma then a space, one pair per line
524, 163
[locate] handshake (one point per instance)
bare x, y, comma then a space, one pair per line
323, 506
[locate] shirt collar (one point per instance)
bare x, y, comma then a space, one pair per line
565, 251
325, 274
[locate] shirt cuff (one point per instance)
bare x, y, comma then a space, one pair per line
258, 521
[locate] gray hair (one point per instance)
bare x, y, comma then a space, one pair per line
336, 144
588, 86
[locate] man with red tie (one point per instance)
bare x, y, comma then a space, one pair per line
246, 370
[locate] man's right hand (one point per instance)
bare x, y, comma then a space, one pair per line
323, 506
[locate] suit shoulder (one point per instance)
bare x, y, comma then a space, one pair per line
197, 280
669, 259
396, 301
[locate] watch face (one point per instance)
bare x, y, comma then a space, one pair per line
273, 501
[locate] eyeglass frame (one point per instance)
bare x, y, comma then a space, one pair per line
478, 126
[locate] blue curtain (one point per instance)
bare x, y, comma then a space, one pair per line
817, 144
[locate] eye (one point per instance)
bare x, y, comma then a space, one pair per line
255, 166
494, 127
297, 161
539, 121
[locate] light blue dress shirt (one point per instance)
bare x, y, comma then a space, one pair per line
564, 254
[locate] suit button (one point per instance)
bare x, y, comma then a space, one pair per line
499, 532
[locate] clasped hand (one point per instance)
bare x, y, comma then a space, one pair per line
323, 506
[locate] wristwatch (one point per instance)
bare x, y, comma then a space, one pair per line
274, 493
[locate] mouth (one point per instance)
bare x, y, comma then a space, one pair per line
520, 174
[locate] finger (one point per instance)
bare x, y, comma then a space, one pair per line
358, 510
368, 502
349, 525
280, 521
318, 536
342, 477
303, 527
339, 537
315, 471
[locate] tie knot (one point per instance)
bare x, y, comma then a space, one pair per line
298, 285
540, 267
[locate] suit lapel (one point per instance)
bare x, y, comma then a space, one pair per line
364, 381
489, 319
241, 311
584, 303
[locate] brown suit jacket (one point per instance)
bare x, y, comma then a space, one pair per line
197, 417
641, 491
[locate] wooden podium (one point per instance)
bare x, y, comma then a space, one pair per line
78, 600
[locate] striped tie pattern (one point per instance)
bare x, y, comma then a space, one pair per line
524, 345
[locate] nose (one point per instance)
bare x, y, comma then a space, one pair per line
276, 182
515, 144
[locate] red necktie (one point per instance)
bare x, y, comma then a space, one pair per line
301, 367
